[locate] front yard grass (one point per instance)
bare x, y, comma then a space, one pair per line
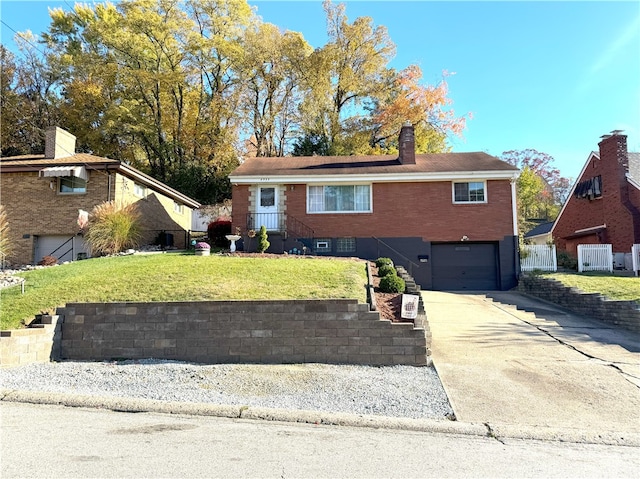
181, 277
613, 287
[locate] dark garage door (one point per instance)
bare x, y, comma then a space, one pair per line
464, 266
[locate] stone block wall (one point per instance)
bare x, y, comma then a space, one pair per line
299, 331
38, 343
625, 314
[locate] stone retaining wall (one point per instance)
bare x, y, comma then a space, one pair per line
625, 314
38, 343
326, 331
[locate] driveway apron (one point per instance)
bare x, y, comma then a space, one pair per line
541, 367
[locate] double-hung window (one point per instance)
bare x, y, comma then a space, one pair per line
470, 192
339, 199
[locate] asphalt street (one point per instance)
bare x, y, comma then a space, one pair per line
53, 441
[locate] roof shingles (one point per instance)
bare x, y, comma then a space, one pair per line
381, 164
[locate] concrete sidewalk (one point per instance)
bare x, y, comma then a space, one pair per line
547, 367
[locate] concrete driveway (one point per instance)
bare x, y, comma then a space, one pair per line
546, 367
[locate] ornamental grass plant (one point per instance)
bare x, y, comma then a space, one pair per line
113, 227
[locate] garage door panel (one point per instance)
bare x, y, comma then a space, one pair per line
64, 248
471, 266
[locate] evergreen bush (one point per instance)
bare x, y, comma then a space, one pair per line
263, 243
386, 269
392, 284
382, 261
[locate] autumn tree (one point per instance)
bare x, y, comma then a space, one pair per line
356, 104
29, 101
345, 75
541, 190
272, 65
157, 77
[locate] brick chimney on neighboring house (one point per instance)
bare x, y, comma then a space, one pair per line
407, 145
58, 143
614, 155
615, 159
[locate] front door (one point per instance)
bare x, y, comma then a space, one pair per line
267, 209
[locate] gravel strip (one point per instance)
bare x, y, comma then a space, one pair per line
395, 391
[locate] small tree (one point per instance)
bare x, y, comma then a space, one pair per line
113, 227
263, 242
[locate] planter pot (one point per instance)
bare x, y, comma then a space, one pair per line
203, 252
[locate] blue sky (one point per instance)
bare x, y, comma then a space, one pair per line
552, 76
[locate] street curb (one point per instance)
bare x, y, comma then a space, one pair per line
498, 432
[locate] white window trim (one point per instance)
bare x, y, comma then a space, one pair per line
370, 210
453, 192
178, 208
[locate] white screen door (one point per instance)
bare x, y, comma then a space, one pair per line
267, 210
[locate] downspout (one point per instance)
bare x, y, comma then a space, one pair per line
108, 183
514, 216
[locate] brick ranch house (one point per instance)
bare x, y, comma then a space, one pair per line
604, 205
42, 195
449, 218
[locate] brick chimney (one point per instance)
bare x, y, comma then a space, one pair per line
58, 143
614, 154
407, 145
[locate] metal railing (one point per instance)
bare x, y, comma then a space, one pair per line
409, 262
281, 223
70, 250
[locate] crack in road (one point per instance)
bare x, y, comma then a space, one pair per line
624, 374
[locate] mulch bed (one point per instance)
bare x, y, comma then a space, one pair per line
389, 305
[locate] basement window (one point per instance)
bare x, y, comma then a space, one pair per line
322, 246
346, 245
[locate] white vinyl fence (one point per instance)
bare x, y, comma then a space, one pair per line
595, 257
538, 256
635, 255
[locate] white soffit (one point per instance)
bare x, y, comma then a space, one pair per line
54, 171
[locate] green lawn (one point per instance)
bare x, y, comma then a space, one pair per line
181, 277
613, 287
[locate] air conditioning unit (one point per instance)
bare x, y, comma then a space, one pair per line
618, 260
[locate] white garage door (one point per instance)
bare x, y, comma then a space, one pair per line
64, 248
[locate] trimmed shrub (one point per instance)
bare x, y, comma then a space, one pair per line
565, 260
217, 232
113, 227
263, 243
382, 261
392, 284
386, 269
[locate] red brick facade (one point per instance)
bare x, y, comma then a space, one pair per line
616, 212
418, 209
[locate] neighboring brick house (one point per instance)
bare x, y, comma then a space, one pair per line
604, 205
449, 218
42, 195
